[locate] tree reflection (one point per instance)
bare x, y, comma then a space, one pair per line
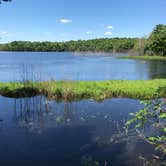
150, 69
156, 69
37, 113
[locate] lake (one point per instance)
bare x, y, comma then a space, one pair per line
37, 131
70, 66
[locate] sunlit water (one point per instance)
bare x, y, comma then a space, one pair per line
35, 131
70, 66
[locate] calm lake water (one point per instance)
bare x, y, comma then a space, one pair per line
70, 66
35, 131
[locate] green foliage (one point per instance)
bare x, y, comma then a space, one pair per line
140, 46
95, 45
98, 90
155, 44
153, 115
89, 161
157, 40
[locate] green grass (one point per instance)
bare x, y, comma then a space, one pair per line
97, 90
145, 57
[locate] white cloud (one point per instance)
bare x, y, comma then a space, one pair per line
89, 33
109, 27
65, 21
3, 33
108, 33
4, 36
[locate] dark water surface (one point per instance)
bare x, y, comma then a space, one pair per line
60, 66
34, 131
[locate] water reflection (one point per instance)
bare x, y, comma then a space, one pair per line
38, 113
149, 69
157, 69
36, 131
60, 66
31, 112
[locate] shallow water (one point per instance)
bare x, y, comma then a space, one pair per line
70, 66
35, 131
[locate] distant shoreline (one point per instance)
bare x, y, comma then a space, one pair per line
93, 45
144, 57
120, 55
76, 53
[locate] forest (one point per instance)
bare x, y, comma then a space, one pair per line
155, 44
95, 45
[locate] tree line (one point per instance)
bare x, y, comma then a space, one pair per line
95, 45
155, 44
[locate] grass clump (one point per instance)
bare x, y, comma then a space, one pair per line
97, 90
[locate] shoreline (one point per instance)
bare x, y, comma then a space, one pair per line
144, 57
119, 55
77, 90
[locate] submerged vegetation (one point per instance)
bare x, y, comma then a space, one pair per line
75, 90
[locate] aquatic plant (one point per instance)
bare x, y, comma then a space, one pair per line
89, 161
150, 124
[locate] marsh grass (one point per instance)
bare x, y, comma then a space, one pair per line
76, 90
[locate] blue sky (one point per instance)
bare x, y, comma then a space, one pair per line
61, 20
